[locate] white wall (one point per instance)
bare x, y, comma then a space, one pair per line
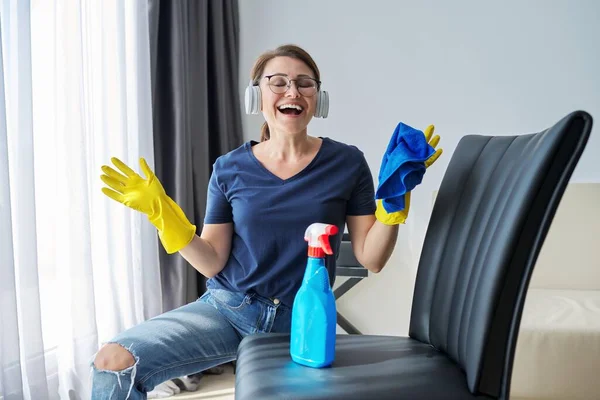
467, 67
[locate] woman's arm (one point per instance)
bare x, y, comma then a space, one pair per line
372, 241
374, 236
209, 252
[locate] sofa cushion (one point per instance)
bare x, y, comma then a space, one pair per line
569, 256
558, 350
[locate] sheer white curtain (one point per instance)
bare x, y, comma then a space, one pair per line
75, 267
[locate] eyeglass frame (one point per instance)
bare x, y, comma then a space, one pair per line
289, 85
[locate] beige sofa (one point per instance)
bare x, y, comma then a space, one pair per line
558, 350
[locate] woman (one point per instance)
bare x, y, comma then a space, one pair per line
261, 198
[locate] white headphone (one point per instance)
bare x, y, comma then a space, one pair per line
253, 101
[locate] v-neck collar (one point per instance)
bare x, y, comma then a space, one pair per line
299, 174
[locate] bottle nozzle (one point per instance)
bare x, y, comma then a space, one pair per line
317, 236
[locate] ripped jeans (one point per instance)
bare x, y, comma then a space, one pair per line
187, 340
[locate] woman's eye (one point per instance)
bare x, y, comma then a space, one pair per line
278, 82
306, 83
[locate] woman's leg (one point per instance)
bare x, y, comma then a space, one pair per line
189, 339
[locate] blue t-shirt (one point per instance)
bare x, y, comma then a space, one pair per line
270, 215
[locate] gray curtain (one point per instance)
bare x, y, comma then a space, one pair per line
195, 56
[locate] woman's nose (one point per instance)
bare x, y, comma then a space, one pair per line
292, 90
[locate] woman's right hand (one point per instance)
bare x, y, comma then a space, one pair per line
149, 197
131, 189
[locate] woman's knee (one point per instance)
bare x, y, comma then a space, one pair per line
113, 357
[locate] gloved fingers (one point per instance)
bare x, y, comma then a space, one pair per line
114, 174
435, 141
395, 218
145, 168
433, 158
429, 132
113, 183
123, 167
113, 195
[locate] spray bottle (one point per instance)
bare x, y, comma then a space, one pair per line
314, 315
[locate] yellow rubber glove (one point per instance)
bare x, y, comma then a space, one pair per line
149, 197
399, 217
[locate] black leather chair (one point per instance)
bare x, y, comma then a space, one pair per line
489, 221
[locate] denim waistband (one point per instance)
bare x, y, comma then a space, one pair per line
270, 301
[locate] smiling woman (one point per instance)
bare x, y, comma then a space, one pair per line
253, 260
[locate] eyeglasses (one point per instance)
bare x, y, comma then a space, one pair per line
306, 86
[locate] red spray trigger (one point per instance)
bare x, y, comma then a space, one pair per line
317, 236
324, 240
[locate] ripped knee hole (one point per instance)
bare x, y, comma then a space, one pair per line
114, 357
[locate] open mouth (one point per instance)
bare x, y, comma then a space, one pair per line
290, 109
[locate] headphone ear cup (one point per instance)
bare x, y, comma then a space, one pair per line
318, 105
252, 99
322, 107
258, 99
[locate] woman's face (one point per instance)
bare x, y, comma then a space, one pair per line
289, 94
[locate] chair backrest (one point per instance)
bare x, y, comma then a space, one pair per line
489, 221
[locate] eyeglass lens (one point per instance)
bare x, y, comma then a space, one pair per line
280, 84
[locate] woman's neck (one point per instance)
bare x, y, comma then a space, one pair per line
290, 147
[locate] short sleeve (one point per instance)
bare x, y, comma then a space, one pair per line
362, 199
218, 208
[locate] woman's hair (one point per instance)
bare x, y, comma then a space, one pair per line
288, 50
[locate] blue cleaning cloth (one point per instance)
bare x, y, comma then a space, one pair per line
403, 166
